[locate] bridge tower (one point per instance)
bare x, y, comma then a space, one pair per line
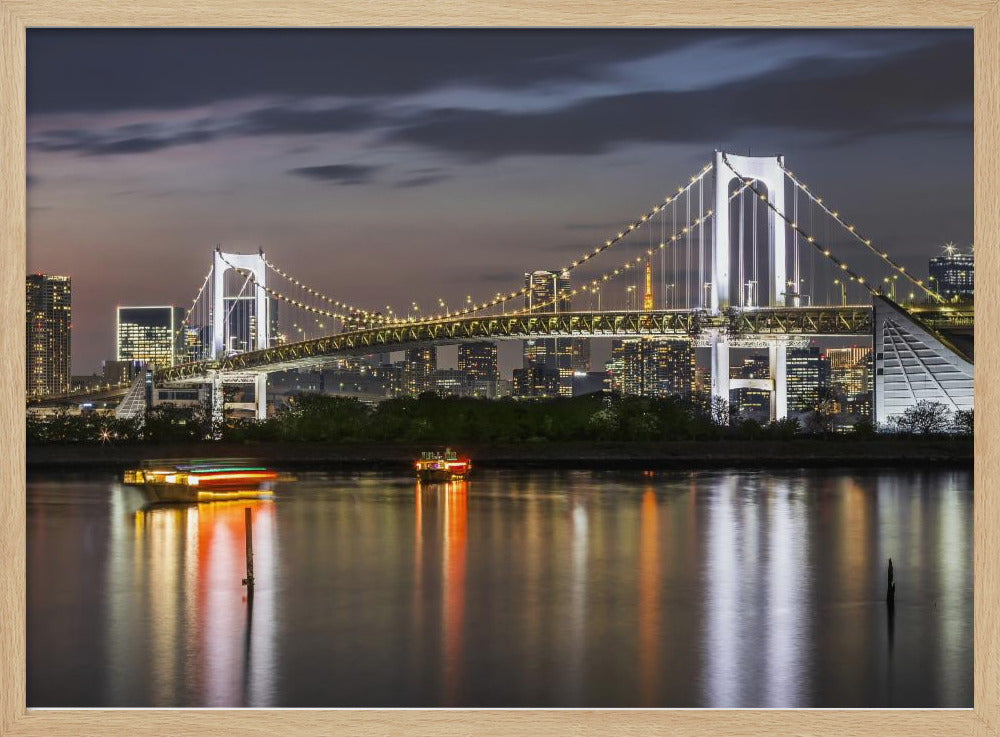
768, 171
253, 264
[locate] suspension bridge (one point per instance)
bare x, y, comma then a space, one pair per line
744, 254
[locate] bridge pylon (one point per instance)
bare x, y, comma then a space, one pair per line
768, 171
256, 266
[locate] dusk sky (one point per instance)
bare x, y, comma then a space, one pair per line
392, 166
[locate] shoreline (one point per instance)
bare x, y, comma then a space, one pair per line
763, 454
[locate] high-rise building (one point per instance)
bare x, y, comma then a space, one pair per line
535, 381
419, 366
851, 379
549, 291
478, 361
652, 368
579, 351
48, 322
450, 382
151, 334
807, 371
953, 275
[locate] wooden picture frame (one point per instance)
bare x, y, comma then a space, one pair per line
18, 15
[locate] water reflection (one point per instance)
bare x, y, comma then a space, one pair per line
190, 560
511, 589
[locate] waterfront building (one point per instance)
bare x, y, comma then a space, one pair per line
478, 361
418, 369
851, 379
953, 274
652, 368
450, 382
579, 349
535, 381
549, 291
588, 382
807, 372
151, 334
47, 330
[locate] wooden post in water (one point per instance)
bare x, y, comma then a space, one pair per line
890, 593
248, 581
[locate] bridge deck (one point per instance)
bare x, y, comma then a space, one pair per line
680, 324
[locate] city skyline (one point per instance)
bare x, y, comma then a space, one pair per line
456, 172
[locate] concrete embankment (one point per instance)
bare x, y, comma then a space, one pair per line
838, 452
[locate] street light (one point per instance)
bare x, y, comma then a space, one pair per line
670, 294
628, 297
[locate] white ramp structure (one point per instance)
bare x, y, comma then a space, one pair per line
912, 364
133, 404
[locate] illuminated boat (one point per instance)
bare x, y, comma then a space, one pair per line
442, 466
202, 482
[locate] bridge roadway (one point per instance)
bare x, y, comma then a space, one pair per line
848, 320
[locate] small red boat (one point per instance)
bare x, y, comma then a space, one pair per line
442, 466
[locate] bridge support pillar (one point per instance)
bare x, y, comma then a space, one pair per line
777, 353
719, 346
260, 396
217, 400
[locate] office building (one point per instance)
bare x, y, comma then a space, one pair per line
807, 371
419, 365
652, 368
546, 292
151, 334
851, 379
478, 361
47, 331
536, 381
953, 275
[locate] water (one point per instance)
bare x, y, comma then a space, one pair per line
678, 589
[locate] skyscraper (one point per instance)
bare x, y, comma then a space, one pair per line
549, 291
151, 334
807, 371
536, 381
478, 361
47, 329
652, 368
850, 378
419, 366
953, 275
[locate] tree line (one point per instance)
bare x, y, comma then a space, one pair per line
434, 419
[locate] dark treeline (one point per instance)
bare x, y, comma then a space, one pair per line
433, 419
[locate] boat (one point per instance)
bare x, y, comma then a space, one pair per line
443, 465
202, 481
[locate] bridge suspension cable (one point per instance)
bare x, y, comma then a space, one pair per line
583, 258
368, 314
866, 242
595, 284
823, 249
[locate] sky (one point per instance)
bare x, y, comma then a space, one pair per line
399, 166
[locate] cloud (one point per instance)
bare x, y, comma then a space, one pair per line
146, 138
347, 174
76, 70
861, 98
422, 178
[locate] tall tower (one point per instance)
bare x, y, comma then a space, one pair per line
647, 297
48, 333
